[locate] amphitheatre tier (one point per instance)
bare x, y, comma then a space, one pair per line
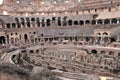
72, 36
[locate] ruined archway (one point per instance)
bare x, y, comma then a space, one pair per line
100, 21
26, 38
2, 40
107, 21
70, 22
48, 22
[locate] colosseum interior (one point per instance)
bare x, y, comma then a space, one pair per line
60, 39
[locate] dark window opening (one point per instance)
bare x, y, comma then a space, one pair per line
28, 24
87, 22
75, 22
81, 22
107, 21
59, 22
43, 23
13, 25
93, 22
70, 22
8, 25
114, 21
48, 22
100, 22
32, 19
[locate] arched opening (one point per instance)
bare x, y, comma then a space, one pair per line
8, 25
111, 53
38, 22
32, 19
102, 52
17, 20
18, 25
112, 40
37, 51
13, 25
37, 19
98, 38
99, 21
22, 19
107, 21
31, 52
118, 54
93, 22
105, 34
25, 38
70, 22
36, 40
75, 22
28, 24
2, 40
43, 23
48, 22
27, 19
46, 39
114, 20
59, 21
64, 21
87, 22
23, 23
81, 22
87, 39
94, 51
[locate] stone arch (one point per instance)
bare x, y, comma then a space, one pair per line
16, 19
75, 22
37, 51
112, 39
27, 19
22, 19
64, 21
81, 22
48, 22
114, 20
98, 37
28, 24
31, 52
2, 39
8, 25
93, 22
18, 25
36, 40
99, 21
98, 33
38, 22
106, 21
105, 33
111, 53
70, 22
13, 25
94, 51
25, 37
59, 21
32, 19
43, 23
118, 54
102, 52
87, 22
37, 19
